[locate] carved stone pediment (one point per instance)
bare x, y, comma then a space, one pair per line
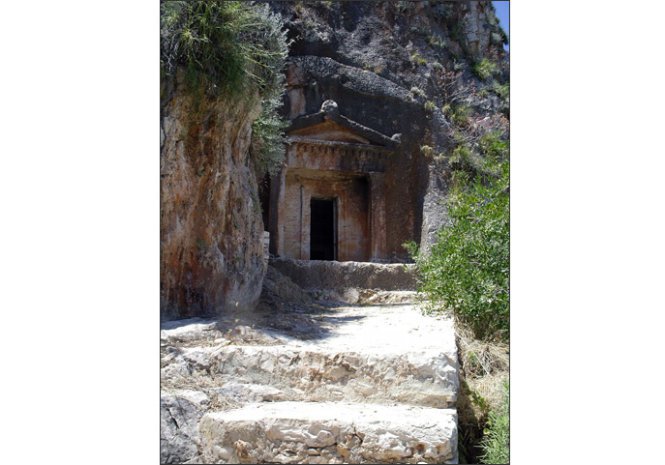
329, 125
329, 131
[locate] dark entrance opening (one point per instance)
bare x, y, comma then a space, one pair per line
264, 198
323, 240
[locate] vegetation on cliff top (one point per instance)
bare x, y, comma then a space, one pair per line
238, 47
231, 49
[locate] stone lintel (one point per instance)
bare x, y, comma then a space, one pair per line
346, 146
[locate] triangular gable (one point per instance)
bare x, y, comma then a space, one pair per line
330, 131
329, 125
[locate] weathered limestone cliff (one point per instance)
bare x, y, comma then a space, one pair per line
211, 228
221, 79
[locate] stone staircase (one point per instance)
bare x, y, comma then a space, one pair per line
371, 381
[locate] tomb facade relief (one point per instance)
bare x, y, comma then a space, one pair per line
328, 201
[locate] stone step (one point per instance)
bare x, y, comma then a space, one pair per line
355, 296
329, 432
427, 377
361, 354
331, 275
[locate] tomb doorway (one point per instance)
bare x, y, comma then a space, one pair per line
323, 229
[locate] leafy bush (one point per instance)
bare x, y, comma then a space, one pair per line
233, 47
467, 268
493, 146
460, 155
458, 113
484, 69
496, 441
429, 106
411, 247
502, 90
268, 138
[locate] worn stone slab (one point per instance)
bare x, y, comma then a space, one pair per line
191, 329
423, 378
315, 274
389, 353
327, 432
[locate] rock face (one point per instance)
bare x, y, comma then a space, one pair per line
180, 414
211, 228
389, 65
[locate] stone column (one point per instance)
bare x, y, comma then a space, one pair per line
377, 215
277, 190
303, 230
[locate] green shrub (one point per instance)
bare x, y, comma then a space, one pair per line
484, 69
411, 247
418, 59
457, 113
460, 155
496, 441
502, 90
268, 138
493, 146
232, 47
467, 268
430, 106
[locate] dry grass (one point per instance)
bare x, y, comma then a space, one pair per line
484, 365
484, 368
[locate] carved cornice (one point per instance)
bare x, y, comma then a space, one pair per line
343, 148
